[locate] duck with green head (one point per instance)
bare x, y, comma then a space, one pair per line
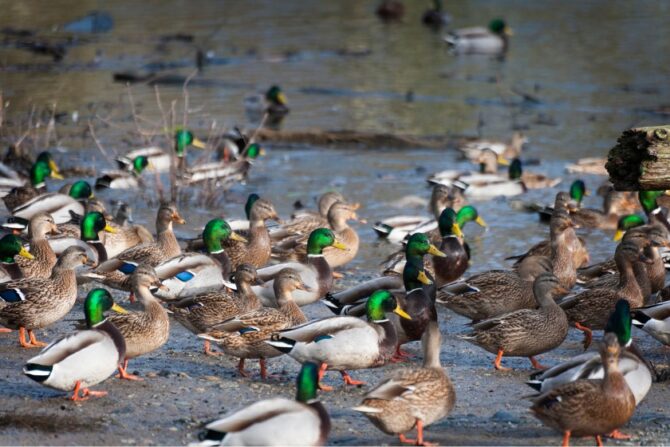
492, 40
22, 192
276, 106
85, 358
655, 213
345, 343
625, 223
277, 421
11, 246
124, 179
91, 226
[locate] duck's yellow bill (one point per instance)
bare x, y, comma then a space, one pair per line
26, 254
480, 222
618, 235
423, 278
55, 172
401, 312
109, 229
502, 161
281, 98
118, 309
199, 144
340, 245
262, 152
432, 250
508, 31
456, 230
237, 237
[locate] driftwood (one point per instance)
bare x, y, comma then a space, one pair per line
641, 159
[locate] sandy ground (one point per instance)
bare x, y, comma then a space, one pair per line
184, 389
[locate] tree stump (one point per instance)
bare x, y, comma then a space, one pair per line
641, 159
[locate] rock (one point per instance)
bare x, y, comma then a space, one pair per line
505, 416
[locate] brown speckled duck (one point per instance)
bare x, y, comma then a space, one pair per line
45, 258
304, 222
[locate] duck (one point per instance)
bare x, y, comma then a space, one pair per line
59, 205
316, 273
577, 192
488, 161
606, 219
224, 174
277, 421
270, 108
116, 270
144, 331
124, 179
304, 222
414, 397
507, 150
338, 215
344, 343
29, 304
199, 312
435, 17
244, 336
44, 257
589, 407
525, 332
256, 251
10, 248
83, 359
496, 292
485, 188
92, 229
44, 167
626, 223
588, 165
589, 365
193, 273
590, 309
158, 159
493, 40
654, 320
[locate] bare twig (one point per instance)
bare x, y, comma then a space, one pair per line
102, 150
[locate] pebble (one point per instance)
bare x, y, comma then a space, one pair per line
505, 416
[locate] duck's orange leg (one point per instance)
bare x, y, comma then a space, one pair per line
419, 434
406, 440
86, 393
33, 339
240, 369
496, 363
348, 380
75, 393
400, 355
599, 441
4, 330
123, 372
208, 349
588, 335
322, 372
536, 364
22, 339
566, 438
616, 434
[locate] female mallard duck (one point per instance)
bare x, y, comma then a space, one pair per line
200, 312
589, 165
415, 397
345, 343
85, 358
117, 269
304, 222
654, 320
35, 303
271, 107
338, 215
525, 332
244, 336
158, 159
493, 40
119, 179
315, 273
224, 174
43, 167
589, 310
146, 330
193, 273
606, 219
44, 257
488, 161
10, 247
589, 365
496, 292
278, 421
589, 407
60, 206
507, 149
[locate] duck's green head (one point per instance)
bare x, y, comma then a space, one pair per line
414, 277
44, 167
418, 245
184, 138
578, 191
626, 223
469, 213
380, 303
307, 382
275, 95
447, 223
515, 170
320, 239
499, 27
93, 223
648, 200
11, 246
81, 190
139, 164
216, 231
98, 301
253, 197
620, 323
254, 150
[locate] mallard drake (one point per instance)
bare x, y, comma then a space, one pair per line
589, 165
655, 213
92, 228
128, 179
495, 292
606, 219
435, 17
44, 257
479, 40
271, 107
199, 312
225, 174
304, 222
483, 187
507, 149
256, 251
10, 247
589, 310
525, 332
146, 330
244, 336
488, 161
85, 358
338, 215
117, 269
654, 320
589, 407
345, 343
589, 365
278, 421
35, 303
626, 223
316, 272
193, 273
43, 167
158, 159
410, 398
531, 180
60, 206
